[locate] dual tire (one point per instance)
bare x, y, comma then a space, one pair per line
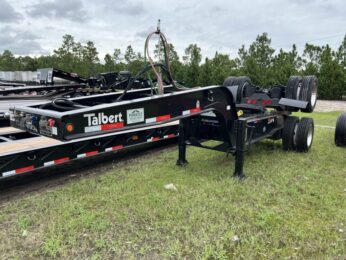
303, 88
242, 82
340, 130
298, 134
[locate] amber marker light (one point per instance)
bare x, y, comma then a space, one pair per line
69, 127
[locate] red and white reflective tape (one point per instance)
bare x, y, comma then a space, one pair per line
169, 136
113, 148
105, 127
18, 171
191, 111
57, 161
153, 139
157, 119
87, 154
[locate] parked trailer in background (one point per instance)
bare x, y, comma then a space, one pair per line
18, 76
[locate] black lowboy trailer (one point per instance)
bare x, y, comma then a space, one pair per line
25, 151
237, 114
75, 86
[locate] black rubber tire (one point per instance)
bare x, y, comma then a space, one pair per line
242, 82
288, 133
229, 81
293, 85
305, 134
309, 93
276, 92
340, 130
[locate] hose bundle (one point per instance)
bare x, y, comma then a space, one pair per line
151, 62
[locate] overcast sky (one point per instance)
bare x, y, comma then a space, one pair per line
34, 27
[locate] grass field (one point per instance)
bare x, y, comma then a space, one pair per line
290, 206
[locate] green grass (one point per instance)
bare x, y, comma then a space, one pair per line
290, 206
324, 119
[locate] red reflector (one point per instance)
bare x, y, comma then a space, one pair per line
254, 102
117, 147
270, 102
195, 110
248, 101
61, 160
163, 118
91, 153
51, 122
264, 102
112, 126
25, 169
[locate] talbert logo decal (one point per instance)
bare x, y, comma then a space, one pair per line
102, 122
102, 119
135, 115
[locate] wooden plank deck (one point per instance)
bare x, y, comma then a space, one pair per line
27, 144
9, 130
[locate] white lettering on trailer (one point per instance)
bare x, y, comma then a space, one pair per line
102, 119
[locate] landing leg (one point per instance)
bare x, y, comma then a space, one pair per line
240, 146
182, 145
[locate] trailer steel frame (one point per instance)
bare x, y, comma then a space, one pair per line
208, 113
44, 156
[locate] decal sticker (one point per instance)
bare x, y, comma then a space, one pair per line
135, 115
102, 122
54, 130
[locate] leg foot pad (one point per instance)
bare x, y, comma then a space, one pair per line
182, 162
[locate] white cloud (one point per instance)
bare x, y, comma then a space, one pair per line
58, 9
218, 25
19, 41
7, 13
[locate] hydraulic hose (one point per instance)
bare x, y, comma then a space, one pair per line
65, 104
143, 71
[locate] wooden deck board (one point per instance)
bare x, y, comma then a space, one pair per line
9, 130
27, 144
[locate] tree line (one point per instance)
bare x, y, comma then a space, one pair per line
260, 61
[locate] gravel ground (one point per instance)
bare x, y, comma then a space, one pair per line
330, 105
